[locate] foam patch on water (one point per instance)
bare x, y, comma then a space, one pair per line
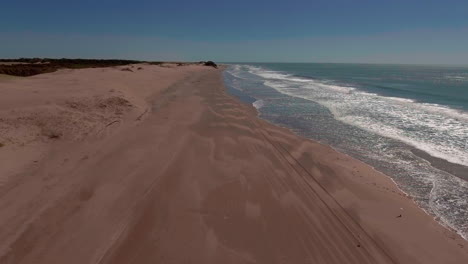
258, 104
459, 78
236, 72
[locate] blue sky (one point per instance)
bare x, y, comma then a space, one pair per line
380, 31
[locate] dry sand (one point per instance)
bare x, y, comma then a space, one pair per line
160, 165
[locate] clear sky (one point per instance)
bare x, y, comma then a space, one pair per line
380, 31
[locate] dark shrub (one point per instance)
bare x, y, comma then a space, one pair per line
212, 64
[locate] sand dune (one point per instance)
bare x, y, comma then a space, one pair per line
160, 165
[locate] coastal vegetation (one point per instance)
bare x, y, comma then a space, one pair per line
32, 66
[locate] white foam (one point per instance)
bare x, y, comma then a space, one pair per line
457, 77
275, 75
235, 71
258, 104
450, 154
435, 129
402, 100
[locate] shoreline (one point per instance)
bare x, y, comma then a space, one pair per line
241, 97
420, 152
290, 130
438, 164
189, 173
434, 217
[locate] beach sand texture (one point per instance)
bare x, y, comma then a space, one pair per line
159, 165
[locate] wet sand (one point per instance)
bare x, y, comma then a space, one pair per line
160, 165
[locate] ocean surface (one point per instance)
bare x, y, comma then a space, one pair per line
408, 121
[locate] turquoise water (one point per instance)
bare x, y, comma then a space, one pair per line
409, 121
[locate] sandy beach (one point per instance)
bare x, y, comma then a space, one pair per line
158, 164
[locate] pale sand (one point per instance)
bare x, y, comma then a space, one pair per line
160, 165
